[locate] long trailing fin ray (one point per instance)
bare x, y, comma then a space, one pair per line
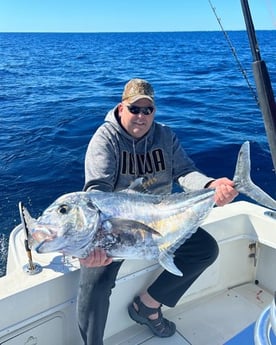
243, 182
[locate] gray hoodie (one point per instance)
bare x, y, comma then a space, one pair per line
114, 159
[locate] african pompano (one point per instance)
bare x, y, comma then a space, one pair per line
130, 224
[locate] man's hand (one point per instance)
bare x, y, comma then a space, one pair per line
96, 258
225, 191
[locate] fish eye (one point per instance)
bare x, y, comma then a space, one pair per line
63, 209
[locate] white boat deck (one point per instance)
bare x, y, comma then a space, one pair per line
208, 321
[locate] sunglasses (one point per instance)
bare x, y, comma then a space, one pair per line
135, 110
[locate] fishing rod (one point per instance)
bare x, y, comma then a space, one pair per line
233, 50
263, 84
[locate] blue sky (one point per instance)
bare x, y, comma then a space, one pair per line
128, 15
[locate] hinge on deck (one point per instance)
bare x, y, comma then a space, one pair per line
253, 252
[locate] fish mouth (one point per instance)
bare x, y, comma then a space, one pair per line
40, 247
40, 236
43, 234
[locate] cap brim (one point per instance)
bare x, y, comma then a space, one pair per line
136, 98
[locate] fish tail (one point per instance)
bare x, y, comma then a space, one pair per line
243, 182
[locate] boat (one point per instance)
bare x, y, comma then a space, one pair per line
222, 307
232, 303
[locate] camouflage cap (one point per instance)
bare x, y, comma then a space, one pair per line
137, 89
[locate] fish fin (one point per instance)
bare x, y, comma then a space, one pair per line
243, 182
166, 260
137, 185
130, 225
140, 185
167, 255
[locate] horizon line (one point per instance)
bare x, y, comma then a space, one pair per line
122, 32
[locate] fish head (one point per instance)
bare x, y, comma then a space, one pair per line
68, 225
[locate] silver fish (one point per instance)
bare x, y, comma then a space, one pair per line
130, 224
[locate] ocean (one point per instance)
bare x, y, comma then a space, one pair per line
55, 90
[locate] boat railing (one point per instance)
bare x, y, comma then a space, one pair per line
265, 327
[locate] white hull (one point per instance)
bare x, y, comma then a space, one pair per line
40, 309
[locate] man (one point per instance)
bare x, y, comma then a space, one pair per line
128, 145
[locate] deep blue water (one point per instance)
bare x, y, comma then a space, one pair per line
55, 90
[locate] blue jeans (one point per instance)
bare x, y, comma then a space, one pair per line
96, 284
